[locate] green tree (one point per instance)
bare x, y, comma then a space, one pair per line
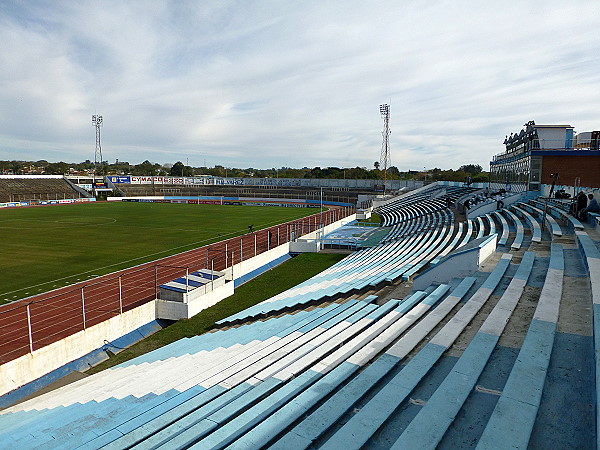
146, 168
177, 169
472, 169
59, 168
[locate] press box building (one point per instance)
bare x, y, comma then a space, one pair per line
537, 152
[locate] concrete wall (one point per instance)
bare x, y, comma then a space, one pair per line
166, 309
32, 366
487, 248
305, 246
251, 264
173, 310
480, 210
459, 264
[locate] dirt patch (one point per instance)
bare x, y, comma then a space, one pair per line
567, 241
575, 314
398, 292
516, 328
465, 338
593, 232
490, 263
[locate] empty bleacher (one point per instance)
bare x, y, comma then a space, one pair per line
502, 358
349, 195
34, 189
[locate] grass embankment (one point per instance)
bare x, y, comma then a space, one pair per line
277, 280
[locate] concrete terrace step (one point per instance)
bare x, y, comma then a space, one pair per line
533, 223
591, 258
330, 411
557, 213
518, 241
357, 431
357, 387
237, 360
513, 418
362, 270
445, 403
505, 230
291, 383
554, 226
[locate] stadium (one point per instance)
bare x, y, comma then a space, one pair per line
467, 317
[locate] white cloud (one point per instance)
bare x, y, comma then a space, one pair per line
272, 83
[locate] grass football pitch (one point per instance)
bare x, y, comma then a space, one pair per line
44, 248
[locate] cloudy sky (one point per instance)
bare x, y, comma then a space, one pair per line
279, 83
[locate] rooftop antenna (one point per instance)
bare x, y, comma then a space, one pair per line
384, 159
97, 122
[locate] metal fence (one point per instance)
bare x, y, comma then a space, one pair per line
35, 322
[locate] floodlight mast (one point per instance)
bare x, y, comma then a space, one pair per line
384, 159
97, 122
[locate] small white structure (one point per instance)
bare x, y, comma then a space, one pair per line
185, 297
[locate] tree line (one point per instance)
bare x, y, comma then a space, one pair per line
473, 171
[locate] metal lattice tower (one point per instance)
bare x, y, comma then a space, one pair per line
384, 159
97, 122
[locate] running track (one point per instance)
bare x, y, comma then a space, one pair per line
57, 314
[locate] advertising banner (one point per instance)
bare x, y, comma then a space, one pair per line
196, 180
229, 181
285, 205
141, 180
119, 179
